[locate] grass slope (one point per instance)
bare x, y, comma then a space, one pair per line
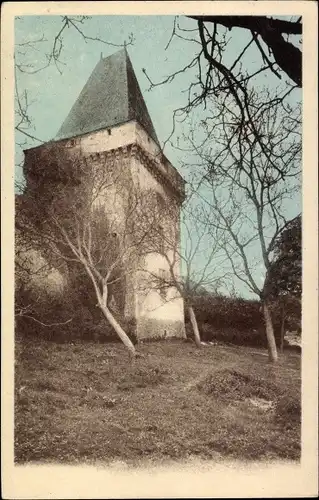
87, 402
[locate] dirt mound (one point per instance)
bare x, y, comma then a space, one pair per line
236, 385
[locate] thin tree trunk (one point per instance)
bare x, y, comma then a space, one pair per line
119, 330
195, 326
282, 328
102, 303
272, 348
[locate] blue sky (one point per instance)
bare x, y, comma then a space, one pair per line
55, 93
52, 94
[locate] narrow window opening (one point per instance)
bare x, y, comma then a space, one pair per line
161, 247
162, 283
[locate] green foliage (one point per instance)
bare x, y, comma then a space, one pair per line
239, 321
230, 320
229, 335
285, 274
223, 312
291, 307
76, 302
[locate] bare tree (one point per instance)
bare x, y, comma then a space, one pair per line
267, 33
222, 69
247, 194
88, 214
213, 70
191, 256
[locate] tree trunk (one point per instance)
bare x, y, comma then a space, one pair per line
195, 326
272, 348
119, 330
282, 328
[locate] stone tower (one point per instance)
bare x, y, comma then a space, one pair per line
110, 124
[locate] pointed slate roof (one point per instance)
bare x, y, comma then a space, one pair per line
110, 97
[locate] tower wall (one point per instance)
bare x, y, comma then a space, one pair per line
156, 314
159, 312
133, 164
108, 135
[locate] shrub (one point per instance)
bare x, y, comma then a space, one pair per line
238, 321
229, 335
223, 312
88, 323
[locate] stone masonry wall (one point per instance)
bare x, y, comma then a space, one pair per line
135, 167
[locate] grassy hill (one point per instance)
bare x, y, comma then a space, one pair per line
86, 402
